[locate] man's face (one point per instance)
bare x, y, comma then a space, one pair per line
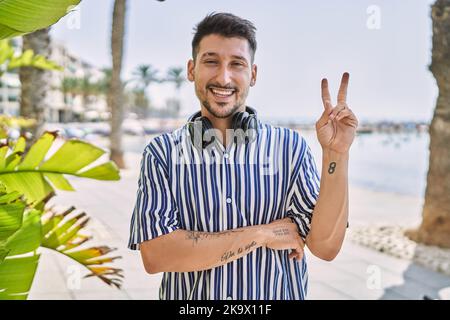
223, 73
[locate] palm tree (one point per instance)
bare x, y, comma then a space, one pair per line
35, 82
116, 88
175, 75
144, 75
435, 226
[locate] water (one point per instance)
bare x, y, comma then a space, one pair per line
395, 163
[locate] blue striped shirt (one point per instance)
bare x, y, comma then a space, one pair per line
216, 189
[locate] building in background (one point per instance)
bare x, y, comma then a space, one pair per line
79, 103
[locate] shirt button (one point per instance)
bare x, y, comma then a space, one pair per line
228, 200
226, 155
229, 298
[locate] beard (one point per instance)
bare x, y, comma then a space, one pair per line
216, 113
222, 110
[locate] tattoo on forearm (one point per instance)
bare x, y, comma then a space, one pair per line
281, 232
230, 254
195, 236
332, 167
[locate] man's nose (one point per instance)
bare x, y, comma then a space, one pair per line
224, 76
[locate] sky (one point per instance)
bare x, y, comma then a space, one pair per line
385, 45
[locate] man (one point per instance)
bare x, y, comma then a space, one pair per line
228, 218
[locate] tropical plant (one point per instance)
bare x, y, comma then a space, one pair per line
116, 95
19, 17
10, 60
27, 181
144, 75
175, 75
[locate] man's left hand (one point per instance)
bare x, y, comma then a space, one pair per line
336, 128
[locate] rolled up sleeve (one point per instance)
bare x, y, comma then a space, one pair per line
155, 212
304, 192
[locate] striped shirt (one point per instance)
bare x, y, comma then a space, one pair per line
216, 189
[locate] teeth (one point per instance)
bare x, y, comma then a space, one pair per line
224, 93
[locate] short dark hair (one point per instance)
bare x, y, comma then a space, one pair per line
227, 25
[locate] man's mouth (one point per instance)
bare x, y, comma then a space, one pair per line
222, 93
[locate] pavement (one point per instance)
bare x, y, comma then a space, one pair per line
357, 273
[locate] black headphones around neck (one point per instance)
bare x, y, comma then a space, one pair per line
244, 120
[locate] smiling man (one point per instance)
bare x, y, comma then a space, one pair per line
227, 215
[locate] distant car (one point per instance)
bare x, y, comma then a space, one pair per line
133, 127
75, 133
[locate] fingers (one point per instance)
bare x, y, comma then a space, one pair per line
342, 93
325, 93
343, 113
337, 110
325, 117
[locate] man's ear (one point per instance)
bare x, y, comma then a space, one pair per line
190, 70
254, 72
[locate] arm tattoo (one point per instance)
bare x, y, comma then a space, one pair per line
195, 236
230, 254
281, 232
332, 167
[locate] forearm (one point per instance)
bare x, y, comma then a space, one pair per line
184, 251
330, 216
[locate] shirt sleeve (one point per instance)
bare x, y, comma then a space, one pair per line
304, 191
155, 212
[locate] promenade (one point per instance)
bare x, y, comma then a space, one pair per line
357, 273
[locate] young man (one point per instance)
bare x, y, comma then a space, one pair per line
226, 216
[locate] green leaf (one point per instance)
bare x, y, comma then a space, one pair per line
13, 160
6, 51
29, 59
19, 17
37, 152
31, 177
3, 151
10, 218
59, 182
20, 145
3, 253
10, 197
72, 156
106, 171
16, 277
32, 185
28, 237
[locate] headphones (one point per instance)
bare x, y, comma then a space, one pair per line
244, 124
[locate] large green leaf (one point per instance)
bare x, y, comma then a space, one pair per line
23, 16
10, 218
28, 237
16, 277
35, 177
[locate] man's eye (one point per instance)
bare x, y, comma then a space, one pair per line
210, 62
238, 64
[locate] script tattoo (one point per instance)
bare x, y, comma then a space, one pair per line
281, 232
195, 236
332, 167
230, 254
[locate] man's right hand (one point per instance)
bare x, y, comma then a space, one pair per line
282, 234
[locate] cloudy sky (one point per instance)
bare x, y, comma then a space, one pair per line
384, 44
